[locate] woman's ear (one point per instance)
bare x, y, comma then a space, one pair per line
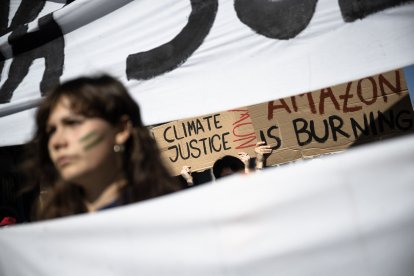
124, 130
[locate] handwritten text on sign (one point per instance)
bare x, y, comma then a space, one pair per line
198, 142
327, 120
334, 118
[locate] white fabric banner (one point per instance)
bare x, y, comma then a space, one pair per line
344, 214
188, 58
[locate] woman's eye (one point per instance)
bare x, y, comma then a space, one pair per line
73, 122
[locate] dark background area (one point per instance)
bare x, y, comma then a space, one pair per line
12, 202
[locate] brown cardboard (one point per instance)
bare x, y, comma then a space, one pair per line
202, 140
319, 122
335, 115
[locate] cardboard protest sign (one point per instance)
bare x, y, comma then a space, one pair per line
314, 123
334, 118
199, 142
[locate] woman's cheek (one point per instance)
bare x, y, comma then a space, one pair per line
90, 140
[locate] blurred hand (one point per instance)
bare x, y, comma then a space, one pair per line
262, 150
244, 157
186, 174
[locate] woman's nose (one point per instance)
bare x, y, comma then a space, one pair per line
58, 140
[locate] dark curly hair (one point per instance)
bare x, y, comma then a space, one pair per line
229, 162
106, 98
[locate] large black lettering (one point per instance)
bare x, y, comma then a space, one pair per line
47, 42
271, 135
207, 118
184, 129
165, 135
169, 56
4, 21
181, 151
405, 123
192, 146
372, 123
358, 9
191, 128
212, 143
216, 121
176, 134
27, 12
383, 120
199, 126
203, 140
283, 19
337, 128
302, 130
176, 153
357, 128
325, 131
225, 141
4, 16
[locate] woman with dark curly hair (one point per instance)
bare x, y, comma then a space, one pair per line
91, 151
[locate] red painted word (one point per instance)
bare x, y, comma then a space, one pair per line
246, 140
317, 106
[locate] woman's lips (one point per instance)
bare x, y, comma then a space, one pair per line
64, 160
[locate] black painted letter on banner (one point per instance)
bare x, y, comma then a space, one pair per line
167, 57
4, 16
358, 9
283, 19
47, 42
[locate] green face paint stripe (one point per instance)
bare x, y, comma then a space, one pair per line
88, 136
94, 142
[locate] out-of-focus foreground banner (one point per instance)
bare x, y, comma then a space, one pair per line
344, 214
182, 59
310, 124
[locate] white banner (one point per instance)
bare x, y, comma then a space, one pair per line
188, 58
347, 214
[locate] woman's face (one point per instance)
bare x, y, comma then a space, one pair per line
81, 148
